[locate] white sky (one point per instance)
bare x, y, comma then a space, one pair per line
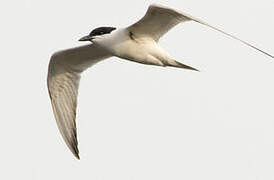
136, 121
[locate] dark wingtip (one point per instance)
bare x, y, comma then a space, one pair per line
193, 69
181, 65
74, 150
76, 155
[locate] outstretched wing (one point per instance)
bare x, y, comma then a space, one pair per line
64, 73
158, 20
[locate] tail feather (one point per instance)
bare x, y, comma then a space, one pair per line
181, 65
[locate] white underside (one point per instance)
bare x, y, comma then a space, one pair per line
142, 50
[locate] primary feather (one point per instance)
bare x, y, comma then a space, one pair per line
64, 74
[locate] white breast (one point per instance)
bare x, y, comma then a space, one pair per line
142, 49
110, 41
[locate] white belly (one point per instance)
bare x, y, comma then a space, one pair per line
141, 50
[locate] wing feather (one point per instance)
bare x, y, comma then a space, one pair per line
158, 20
64, 75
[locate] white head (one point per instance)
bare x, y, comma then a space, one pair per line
98, 34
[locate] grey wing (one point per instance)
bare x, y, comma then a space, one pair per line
158, 20
64, 73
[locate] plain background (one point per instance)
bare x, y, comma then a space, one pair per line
136, 121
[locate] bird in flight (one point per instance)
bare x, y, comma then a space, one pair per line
138, 43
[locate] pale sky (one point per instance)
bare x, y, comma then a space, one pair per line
139, 122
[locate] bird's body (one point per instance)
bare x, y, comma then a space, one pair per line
123, 43
137, 43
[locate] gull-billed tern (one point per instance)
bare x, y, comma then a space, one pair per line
138, 43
